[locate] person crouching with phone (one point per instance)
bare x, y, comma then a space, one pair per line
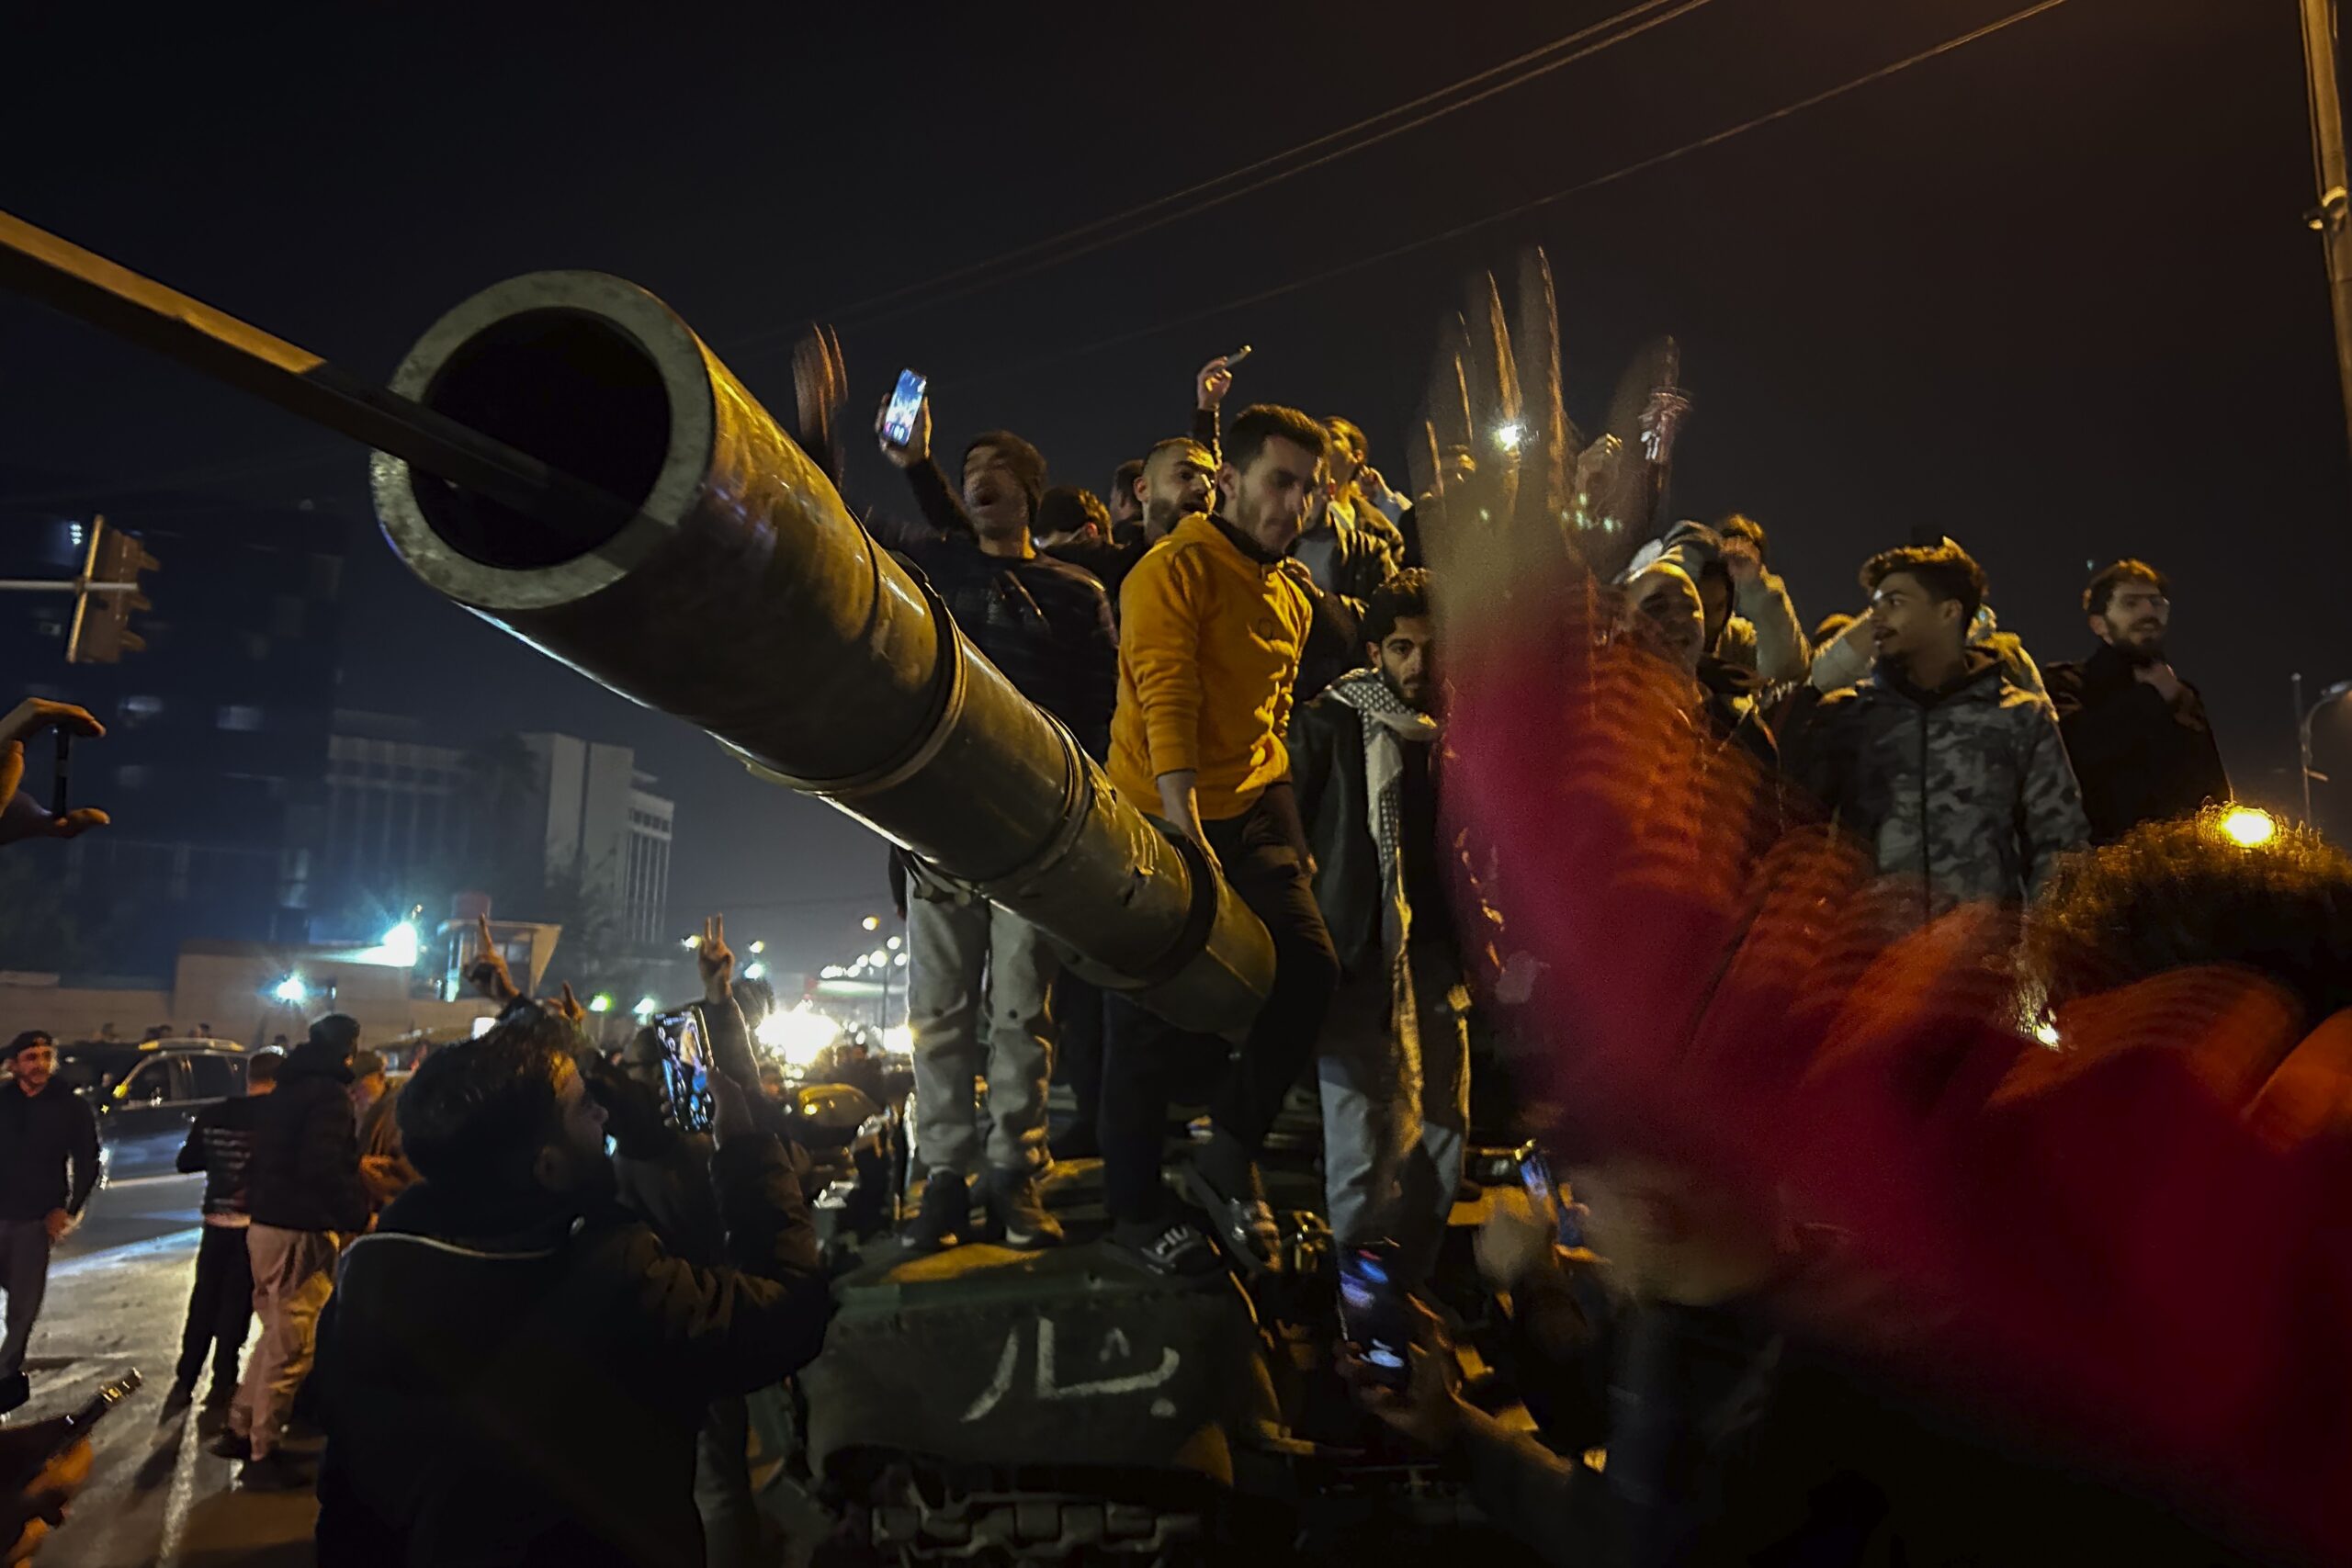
519, 1364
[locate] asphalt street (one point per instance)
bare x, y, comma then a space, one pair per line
118, 1289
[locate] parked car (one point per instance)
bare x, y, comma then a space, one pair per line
146, 1095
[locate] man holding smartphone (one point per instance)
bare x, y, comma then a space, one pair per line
1215, 620
45, 1128
979, 976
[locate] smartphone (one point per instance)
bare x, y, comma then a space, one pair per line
61, 794
898, 419
685, 1069
1233, 361
71, 1429
1373, 1318
1535, 1171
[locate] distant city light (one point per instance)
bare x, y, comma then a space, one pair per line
902, 961
291, 991
759, 947
647, 1007
694, 941
899, 1038
872, 922
892, 944
2248, 828
877, 956
830, 972
1507, 436
601, 1002
755, 971
402, 946
797, 1035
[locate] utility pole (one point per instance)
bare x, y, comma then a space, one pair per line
2333, 217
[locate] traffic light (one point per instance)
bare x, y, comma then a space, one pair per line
105, 596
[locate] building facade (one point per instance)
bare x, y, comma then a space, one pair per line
214, 761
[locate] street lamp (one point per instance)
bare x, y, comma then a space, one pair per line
872, 922
291, 991
2303, 717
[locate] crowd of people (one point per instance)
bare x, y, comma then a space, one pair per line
523, 1349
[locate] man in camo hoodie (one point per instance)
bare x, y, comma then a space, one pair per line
1955, 774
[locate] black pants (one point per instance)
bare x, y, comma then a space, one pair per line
1139, 1050
1077, 1012
221, 1308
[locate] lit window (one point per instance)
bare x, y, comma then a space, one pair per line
238, 718
135, 709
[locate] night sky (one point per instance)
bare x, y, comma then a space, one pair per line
2051, 293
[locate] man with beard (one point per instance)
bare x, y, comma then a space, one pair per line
1215, 620
1176, 481
520, 1364
1394, 1066
1666, 613
978, 975
45, 1128
1953, 774
2137, 733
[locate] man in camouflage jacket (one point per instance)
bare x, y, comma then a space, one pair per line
1953, 774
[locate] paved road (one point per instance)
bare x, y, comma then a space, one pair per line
118, 1288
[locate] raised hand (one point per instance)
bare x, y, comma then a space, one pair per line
487, 974
716, 960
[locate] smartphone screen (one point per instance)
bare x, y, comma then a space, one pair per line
898, 419
685, 1069
1372, 1316
1536, 1172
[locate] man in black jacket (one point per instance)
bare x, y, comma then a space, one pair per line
221, 1308
2137, 734
519, 1364
307, 1202
1395, 1060
44, 1127
978, 978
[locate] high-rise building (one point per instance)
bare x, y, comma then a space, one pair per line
215, 756
408, 821
602, 826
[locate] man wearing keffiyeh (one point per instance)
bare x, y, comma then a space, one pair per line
1394, 1069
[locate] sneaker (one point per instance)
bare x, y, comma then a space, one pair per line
1244, 1225
274, 1472
14, 1391
178, 1397
1177, 1248
945, 1214
229, 1445
1016, 1210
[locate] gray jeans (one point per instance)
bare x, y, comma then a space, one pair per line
24, 1274
1396, 1114
975, 1000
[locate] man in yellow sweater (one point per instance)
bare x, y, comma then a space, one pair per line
1212, 622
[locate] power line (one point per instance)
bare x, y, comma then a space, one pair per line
1055, 249
1715, 140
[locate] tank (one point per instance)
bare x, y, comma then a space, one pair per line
737, 592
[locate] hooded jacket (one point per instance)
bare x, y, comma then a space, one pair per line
2139, 757
304, 1174
1964, 792
519, 1382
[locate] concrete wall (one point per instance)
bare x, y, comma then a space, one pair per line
229, 986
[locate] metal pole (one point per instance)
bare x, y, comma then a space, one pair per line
2303, 746
2333, 218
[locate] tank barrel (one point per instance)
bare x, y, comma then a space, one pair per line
738, 594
